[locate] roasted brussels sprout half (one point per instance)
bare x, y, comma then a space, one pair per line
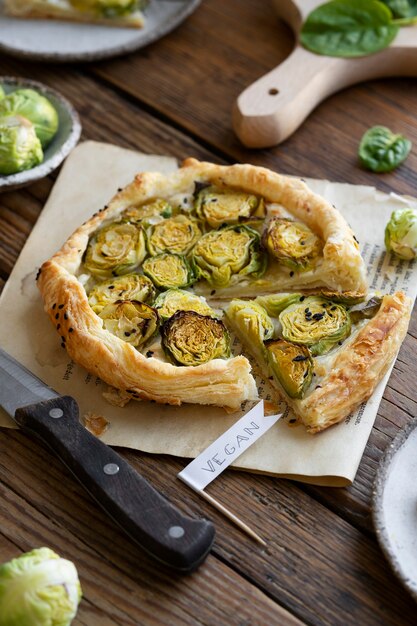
20, 148
173, 300
169, 271
251, 321
348, 298
401, 234
316, 323
35, 108
192, 339
218, 206
291, 365
229, 254
157, 208
134, 322
115, 249
292, 244
128, 287
177, 235
365, 311
109, 8
276, 303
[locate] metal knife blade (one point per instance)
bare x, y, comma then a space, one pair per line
142, 512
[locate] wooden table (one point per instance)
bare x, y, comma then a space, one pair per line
322, 564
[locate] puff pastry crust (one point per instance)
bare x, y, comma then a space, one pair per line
63, 10
219, 382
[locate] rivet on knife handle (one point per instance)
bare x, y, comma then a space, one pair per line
143, 513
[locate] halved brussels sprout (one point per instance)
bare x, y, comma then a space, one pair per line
228, 255
115, 249
251, 322
401, 233
174, 300
316, 322
177, 235
128, 287
348, 298
193, 339
365, 311
276, 303
157, 208
109, 8
291, 365
169, 271
220, 206
35, 108
292, 244
134, 322
20, 148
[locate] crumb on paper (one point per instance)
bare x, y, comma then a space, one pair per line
117, 397
95, 424
270, 408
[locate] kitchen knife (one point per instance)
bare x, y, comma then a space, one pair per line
144, 514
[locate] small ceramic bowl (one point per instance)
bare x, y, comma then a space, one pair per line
65, 140
394, 506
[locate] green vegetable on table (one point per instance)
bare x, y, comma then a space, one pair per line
20, 148
36, 108
354, 28
38, 589
401, 233
381, 150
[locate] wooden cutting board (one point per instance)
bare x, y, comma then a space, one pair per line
273, 107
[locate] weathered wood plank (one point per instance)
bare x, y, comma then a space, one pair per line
315, 563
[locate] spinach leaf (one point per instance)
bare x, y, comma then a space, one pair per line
380, 150
402, 8
349, 28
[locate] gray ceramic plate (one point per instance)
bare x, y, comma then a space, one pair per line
51, 40
65, 140
395, 506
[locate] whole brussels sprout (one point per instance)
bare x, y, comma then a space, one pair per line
34, 107
401, 233
38, 589
173, 300
316, 323
291, 366
134, 322
229, 254
276, 303
169, 271
292, 244
142, 213
20, 148
177, 235
219, 206
193, 339
115, 249
127, 287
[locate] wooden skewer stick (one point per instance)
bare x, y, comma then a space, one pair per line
217, 505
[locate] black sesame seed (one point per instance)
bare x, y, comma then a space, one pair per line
58, 326
339, 343
333, 308
314, 374
302, 243
111, 287
318, 387
271, 378
292, 420
300, 357
212, 292
65, 316
318, 316
70, 330
38, 273
302, 298
57, 316
54, 306
291, 274
307, 310
61, 306
127, 333
149, 354
119, 189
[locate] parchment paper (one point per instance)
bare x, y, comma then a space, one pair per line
89, 178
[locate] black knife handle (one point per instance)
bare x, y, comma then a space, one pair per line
143, 513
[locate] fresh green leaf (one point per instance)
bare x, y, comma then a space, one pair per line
380, 150
402, 8
349, 28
